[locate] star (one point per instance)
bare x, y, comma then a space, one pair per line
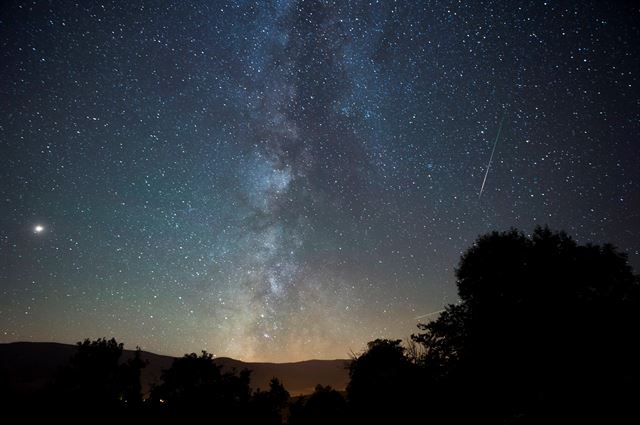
38, 229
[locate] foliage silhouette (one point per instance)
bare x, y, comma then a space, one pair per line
195, 386
545, 330
266, 406
324, 406
383, 383
131, 387
97, 379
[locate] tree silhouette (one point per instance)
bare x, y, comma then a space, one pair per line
266, 406
324, 406
195, 386
131, 388
96, 379
545, 329
382, 383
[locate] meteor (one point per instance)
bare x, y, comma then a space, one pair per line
491, 157
429, 314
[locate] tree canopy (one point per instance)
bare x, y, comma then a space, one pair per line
194, 386
544, 327
324, 406
96, 378
383, 382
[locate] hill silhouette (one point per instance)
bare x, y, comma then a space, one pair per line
29, 366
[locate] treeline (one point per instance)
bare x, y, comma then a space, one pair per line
546, 331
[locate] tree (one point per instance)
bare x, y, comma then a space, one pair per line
544, 327
96, 378
383, 382
130, 374
266, 406
194, 386
324, 406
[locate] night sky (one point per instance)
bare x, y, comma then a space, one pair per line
289, 180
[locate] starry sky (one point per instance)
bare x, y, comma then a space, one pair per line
288, 180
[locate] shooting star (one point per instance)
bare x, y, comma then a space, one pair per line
429, 314
491, 157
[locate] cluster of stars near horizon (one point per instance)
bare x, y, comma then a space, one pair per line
288, 180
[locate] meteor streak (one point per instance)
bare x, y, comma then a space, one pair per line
428, 314
491, 157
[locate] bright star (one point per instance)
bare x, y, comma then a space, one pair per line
38, 229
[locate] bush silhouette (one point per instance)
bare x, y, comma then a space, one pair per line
545, 330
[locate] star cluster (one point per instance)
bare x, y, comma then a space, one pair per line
288, 180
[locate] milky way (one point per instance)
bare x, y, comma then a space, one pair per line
289, 180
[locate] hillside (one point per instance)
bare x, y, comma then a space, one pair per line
28, 366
